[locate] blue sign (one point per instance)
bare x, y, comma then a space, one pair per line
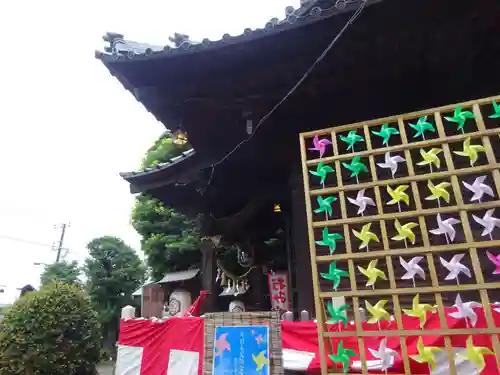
241, 350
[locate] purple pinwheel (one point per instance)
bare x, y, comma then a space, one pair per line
320, 145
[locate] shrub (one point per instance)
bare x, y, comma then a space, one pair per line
53, 331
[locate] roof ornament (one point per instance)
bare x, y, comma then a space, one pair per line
118, 46
182, 40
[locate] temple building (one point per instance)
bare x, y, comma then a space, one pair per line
241, 102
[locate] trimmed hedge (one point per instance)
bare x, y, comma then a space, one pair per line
53, 331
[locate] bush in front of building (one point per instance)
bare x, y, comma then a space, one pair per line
53, 331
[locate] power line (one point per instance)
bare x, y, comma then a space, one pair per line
292, 90
26, 241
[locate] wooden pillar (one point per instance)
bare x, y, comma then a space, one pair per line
208, 275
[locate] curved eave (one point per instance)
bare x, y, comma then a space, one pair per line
299, 18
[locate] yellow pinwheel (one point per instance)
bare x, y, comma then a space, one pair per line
372, 273
419, 310
430, 157
398, 195
438, 191
476, 354
377, 312
404, 231
426, 354
470, 151
365, 236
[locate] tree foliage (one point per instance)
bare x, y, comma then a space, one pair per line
68, 272
53, 331
170, 240
114, 271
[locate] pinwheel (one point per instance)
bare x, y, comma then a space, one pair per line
426, 354
356, 166
397, 195
351, 139
438, 191
471, 151
372, 273
495, 259
365, 236
361, 201
334, 274
460, 117
446, 227
496, 108
455, 267
343, 356
385, 133
465, 310
322, 171
320, 145
422, 126
430, 157
337, 314
391, 162
488, 222
377, 312
325, 205
384, 354
329, 239
419, 310
412, 268
479, 188
404, 231
476, 354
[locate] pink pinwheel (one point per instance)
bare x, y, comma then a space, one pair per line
320, 145
495, 259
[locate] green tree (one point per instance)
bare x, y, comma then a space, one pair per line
68, 272
53, 331
170, 240
114, 271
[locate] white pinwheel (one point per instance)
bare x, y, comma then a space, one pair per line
465, 310
385, 354
479, 188
412, 268
488, 221
455, 267
391, 162
361, 201
446, 227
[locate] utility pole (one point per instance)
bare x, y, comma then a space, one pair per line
61, 241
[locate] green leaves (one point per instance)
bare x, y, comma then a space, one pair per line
460, 117
322, 171
356, 166
63, 271
351, 139
422, 126
385, 133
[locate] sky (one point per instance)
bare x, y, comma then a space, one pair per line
67, 127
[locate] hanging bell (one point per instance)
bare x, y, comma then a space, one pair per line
223, 280
230, 290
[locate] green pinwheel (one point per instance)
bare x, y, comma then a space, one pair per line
459, 117
356, 166
421, 127
334, 274
496, 108
343, 356
325, 205
321, 171
385, 133
329, 239
351, 139
337, 314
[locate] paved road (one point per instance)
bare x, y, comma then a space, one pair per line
105, 370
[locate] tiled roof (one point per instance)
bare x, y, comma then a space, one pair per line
309, 11
160, 166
